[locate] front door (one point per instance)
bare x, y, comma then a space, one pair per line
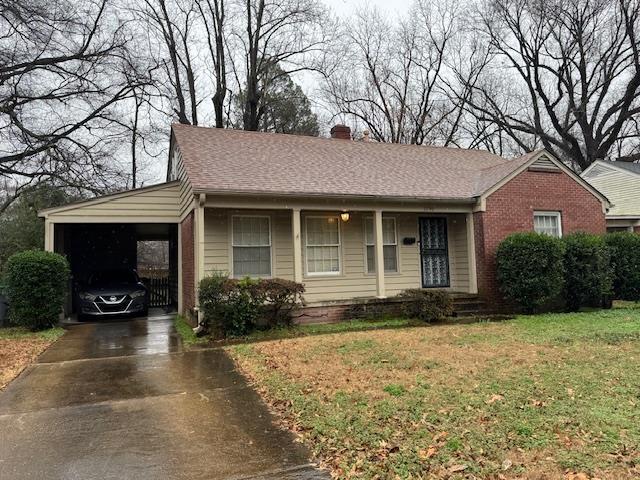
434, 252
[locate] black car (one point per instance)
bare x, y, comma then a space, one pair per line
112, 292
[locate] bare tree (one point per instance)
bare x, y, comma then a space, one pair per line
392, 78
63, 70
279, 37
173, 23
565, 75
214, 19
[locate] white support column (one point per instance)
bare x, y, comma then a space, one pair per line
200, 237
199, 248
471, 254
297, 245
49, 235
379, 250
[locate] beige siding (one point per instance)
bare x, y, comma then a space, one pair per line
621, 188
179, 173
144, 205
353, 281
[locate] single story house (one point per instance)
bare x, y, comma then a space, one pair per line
327, 212
620, 182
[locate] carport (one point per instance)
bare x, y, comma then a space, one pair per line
106, 232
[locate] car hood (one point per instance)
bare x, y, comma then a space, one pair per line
113, 289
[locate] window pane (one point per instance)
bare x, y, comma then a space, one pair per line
323, 259
547, 224
371, 258
251, 231
368, 231
251, 261
390, 258
388, 231
322, 231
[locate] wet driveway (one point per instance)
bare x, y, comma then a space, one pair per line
123, 400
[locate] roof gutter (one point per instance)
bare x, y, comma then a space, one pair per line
257, 194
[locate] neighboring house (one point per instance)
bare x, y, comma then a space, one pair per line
327, 212
620, 182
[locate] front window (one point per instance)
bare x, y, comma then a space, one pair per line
548, 223
322, 245
389, 247
251, 243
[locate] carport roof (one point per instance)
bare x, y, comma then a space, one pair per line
150, 204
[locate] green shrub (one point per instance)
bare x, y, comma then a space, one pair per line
279, 297
235, 307
587, 276
36, 284
530, 269
427, 305
624, 250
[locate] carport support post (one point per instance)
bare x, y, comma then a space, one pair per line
199, 244
49, 235
379, 249
297, 245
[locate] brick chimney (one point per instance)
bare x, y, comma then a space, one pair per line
341, 131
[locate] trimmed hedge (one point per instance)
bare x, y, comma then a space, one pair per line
37, 284
427, 305
530, 269
624, 250
234, 307
587, 279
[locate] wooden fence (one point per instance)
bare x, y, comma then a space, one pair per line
159, 291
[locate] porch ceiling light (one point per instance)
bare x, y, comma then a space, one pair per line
344, 216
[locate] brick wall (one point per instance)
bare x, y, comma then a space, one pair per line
636, 229
510, 209
188, 264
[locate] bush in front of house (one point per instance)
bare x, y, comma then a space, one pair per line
278, 298
530, 269
233, 307
624, 250
587, 271
36, 287
426, 305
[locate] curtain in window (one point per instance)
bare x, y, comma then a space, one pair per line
251, 246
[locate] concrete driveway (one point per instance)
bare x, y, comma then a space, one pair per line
123, 400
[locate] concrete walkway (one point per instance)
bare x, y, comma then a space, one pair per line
123, 400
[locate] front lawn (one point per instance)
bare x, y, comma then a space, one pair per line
547, 396
19, 347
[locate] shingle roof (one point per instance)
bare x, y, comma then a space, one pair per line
224, 160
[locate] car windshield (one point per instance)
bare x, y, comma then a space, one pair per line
112, 276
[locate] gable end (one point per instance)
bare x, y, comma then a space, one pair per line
544, 164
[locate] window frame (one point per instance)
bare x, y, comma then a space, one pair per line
233, 245
307, 245
548, 213
395, 232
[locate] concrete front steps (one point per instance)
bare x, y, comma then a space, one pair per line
469, 305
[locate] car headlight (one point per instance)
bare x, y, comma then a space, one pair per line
138, 294
87, 296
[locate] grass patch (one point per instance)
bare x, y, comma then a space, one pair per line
16, 333
189, 339
545, 396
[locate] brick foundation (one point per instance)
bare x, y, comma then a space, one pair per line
370, 309
510, 209
188, 266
